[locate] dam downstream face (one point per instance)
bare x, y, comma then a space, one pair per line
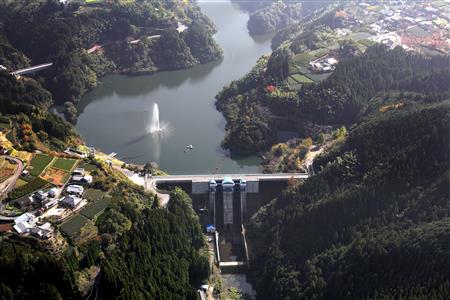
116, 115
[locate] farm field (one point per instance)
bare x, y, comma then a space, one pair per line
38, 163
73, 225
34, 185
6, 169
95, 208
55, 176
20, 182
94, 195
89, 167
64, 164
300, 78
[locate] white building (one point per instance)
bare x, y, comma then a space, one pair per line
24, 223
22, 227
50, 204
78, 171
75, 189
26, 217
82, 178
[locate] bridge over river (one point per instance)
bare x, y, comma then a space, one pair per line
32, 69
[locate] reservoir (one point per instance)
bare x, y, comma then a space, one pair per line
116, 115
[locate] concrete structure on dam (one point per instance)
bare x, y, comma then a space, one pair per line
225, 202
200, 183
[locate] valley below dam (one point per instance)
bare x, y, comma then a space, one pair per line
116, 115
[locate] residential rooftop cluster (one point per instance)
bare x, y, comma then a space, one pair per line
326, 63
422, 27
413, 25
59, 203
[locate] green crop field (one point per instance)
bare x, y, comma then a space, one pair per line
319, 52
73, 225
94, 195
302, 59
38, 163
32, 186
300, 78
20, 182
95, 208
64, 164
89, 167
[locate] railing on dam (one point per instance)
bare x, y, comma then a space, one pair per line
207, 177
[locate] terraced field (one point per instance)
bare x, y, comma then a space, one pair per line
73, 225
64, 164
39, 163
92, 210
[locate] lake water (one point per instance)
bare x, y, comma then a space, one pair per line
115, 115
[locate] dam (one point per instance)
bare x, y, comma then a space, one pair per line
224, 203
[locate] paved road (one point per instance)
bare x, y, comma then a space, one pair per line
7, 185
248, 177
151, 182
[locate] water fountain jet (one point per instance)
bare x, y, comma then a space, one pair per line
155, 126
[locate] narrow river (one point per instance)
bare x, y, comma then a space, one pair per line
115, 115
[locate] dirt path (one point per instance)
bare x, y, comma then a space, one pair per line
148, 183
311, 155
7, 185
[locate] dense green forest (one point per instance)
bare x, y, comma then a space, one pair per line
267, 17
29, 273
131, 37
156, 253
274, 17
374, 222
250, 104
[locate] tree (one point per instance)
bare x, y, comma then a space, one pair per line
71, 111
340, 133
321, 138
278, 64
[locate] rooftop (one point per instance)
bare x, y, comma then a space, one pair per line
26, 217
71, 201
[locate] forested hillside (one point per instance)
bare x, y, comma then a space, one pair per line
373, 223
141, 252
85, 42
25, 117
156, 253
27, 273
250, 103
271, 16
